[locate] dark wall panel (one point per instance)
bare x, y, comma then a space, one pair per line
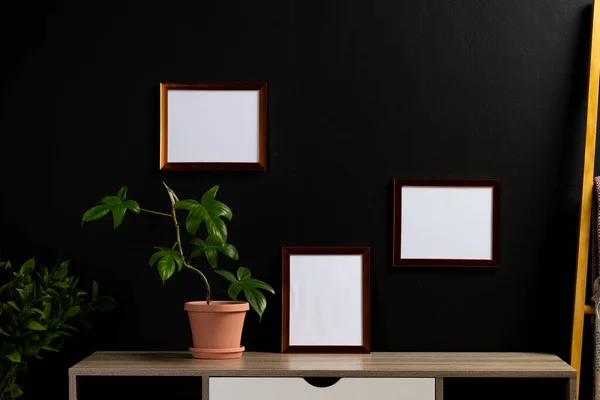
360, 92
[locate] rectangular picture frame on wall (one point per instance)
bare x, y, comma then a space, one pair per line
213, 126
326, 300
446, 223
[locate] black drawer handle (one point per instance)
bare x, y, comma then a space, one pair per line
320, 381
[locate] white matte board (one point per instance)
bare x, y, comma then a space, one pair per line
326, 300
213, 126
446, 222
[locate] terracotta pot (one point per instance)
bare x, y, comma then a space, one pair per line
216, 328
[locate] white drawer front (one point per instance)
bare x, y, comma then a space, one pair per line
298, 389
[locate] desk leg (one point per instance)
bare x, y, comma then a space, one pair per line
571, 389
204, 387
439, 388
72, 387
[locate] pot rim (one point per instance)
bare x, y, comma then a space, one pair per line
217, 306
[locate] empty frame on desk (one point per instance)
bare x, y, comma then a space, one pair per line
446, 222
213, 126
325, 300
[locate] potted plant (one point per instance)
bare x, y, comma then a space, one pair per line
216, 325
39, 308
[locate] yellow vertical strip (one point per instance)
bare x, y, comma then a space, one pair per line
587, 191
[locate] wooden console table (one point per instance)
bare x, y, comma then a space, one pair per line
411, 376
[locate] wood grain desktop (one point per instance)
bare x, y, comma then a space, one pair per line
375, 365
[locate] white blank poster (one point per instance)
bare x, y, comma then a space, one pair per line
325, 300
446, 222
213, 126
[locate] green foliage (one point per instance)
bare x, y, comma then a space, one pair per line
117, 204
37, 309
167, 259
211, 249
208, 212
250, 286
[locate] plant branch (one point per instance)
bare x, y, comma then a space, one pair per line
178, 243
156, 212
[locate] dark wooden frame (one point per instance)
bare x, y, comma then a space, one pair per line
287, 252
412, 262
261, 165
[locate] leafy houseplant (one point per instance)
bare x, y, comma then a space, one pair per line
37, 309
212, 214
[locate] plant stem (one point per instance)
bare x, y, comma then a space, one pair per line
178, 243
9, 378
156, 212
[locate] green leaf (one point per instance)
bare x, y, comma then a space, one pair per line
209, 212
167, 260
62, 285
28, 267
259, 284
38, 311
95, 212
189, 205
2, 331
213, 206
230, 251
15, 391
122, 193
118, 212
15, 356
117, 204
198, 242
13, 305
197, 252
67, 326
226, 274
243, 273
216, 227
48, 337
23, 294
61, 271
211, 257
155, 257
34, 326
251, 287
195, 219
132, 205
110, 200
175, 255
210, 248
71, 312
94, 289
48, 348
234, 289
47, 310
166, 268
257, 300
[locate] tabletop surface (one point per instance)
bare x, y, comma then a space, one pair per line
418, 364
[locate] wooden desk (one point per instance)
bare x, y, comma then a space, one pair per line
431, 367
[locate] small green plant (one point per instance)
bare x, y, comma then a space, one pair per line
208, 212
39, 307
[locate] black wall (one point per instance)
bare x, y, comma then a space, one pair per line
360, 93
